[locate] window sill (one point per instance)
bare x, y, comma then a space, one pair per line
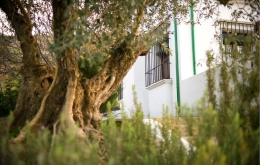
159, 83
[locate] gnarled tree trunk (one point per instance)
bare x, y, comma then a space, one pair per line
36, 77
43, 96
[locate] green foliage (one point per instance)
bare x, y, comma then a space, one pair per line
46, 148
231, 120
98, 28
8, 96
111, 103
210, 79
132, 143
223, 142
224, 134
87, 69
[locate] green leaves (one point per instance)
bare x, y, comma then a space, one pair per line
236, 103
8, 96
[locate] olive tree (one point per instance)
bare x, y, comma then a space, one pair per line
112, 32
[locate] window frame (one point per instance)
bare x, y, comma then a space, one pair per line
235, 32
157, 61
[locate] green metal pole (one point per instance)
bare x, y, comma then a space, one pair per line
177, 63
193, 40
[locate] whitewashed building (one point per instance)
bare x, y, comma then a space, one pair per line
180, 78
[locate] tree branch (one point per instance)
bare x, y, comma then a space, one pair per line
26, 15
107, 87
30, 5
138, 20
23, 29
122, 59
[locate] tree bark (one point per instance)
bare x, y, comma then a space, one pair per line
36, 77
107, 81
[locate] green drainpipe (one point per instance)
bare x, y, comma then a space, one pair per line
177, 64
193, 40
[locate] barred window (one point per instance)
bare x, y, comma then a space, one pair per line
157, 62
234, 32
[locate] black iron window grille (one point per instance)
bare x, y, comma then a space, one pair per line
234, 33
157, 62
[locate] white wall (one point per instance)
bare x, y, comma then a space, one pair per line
192, 87
185, 51
160, 95
127, 91
204, 40
139, 82
135, 77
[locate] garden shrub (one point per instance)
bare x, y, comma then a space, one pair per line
8, 96
228, 130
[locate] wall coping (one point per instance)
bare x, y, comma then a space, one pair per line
159, 83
